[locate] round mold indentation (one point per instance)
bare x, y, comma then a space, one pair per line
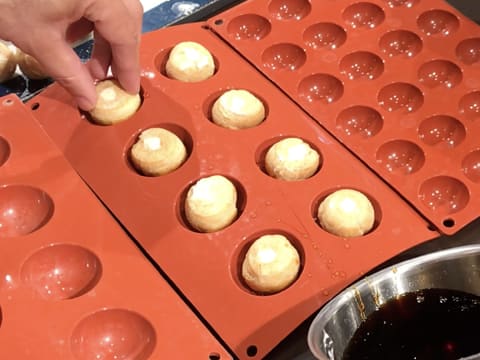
284, 56
401, 3
113, 334
178, 130
440, 73
469, 105
248, 27
289, 9
400, 157
471, 166
442, 130
444, 195
438, 23
468, 51
23, 210
61, 271
359, 120
262, 150
324, 194
322, 88
363, 15
361, 65
400, 96
180, 205
401, 43
241, 251
324, 35
4, 150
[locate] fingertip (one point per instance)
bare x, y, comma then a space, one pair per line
84, 103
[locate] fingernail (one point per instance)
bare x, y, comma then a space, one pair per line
84, 103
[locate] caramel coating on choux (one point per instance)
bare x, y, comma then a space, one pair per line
157, 151
211, 204
8, 62
113, 103
238, 109
346, 213
189, 61
30, 67
291, 159
271, 264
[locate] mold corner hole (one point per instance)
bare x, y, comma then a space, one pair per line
449, 223
252, 351
35, 106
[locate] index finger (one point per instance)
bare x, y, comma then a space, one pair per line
119, 23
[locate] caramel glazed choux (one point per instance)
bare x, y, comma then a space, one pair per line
346, 213
291, 159
8, 62
211, 204
238, 109
189, 61
157, 152
271, 264
113, 103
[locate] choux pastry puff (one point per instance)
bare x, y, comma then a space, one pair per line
157, 152
189, 61
346, 213
8, 62
271, 264
291, 159
211, 204
113, 103
30, 67
238, 109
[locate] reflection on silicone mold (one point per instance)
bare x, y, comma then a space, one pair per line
438, 23
444, 195
249, 27
400, 42
469, 105
468, 51
400, 157
113, 334
360, 121
4, 150
361, 64
400, 96
61, 271
363, 15
284, 57
289, 9
23, 209
471, 166
324, 35
322, 88
440, 73
405, 3
239, 257
441, 130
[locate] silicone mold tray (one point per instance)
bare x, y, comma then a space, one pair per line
205, 267
73, 285
397, 81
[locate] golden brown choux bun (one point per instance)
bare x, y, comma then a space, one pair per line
113, 103
346, 213
271, 264
8, 62
211, 204
157, 152
189, 61
291, 159
30, 67
238, 109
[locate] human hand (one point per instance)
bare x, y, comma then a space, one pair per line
46, 28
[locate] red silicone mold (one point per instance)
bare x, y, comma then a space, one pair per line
397, 81
72, 284
205, 267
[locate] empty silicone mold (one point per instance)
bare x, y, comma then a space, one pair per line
72, 283
206, 266
396, 81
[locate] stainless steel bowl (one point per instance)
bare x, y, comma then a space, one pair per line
455, 268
